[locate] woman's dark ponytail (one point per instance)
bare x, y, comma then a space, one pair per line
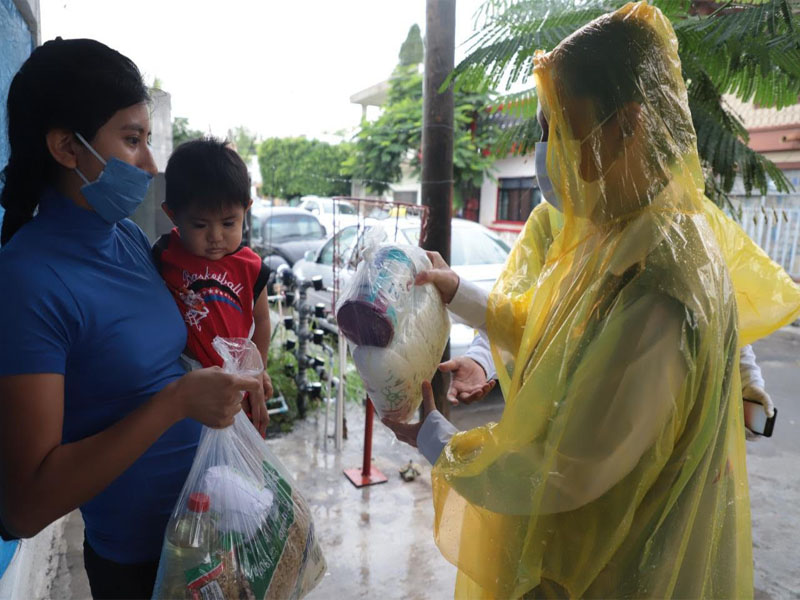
71, 84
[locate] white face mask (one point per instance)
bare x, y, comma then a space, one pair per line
545, 185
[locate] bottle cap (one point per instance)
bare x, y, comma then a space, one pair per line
199, 502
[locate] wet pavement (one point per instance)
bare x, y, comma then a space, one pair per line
378, 540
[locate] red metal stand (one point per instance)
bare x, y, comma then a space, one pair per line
367, 474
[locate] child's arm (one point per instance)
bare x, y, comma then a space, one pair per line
258, 413
261, 336
262, 331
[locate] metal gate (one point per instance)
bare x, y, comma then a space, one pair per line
776, 229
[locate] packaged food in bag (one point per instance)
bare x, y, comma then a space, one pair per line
397, 330
239, 530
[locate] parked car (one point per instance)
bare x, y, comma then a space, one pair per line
282, 235
323, 209
476, 254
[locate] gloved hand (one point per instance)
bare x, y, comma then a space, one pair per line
755, 393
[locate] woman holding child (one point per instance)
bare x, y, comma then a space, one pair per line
97, 412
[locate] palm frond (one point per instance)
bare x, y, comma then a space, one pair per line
518, 138
501, 52
751, 51
727, 156
518, 104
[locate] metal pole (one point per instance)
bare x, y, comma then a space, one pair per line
437, 143
366, 464
368, 474
339, 430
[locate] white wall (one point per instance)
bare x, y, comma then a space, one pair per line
409, 182
513, 166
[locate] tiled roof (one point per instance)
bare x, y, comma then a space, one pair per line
755, 118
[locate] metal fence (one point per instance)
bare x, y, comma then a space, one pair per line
774, 224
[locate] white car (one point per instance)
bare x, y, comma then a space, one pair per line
323, 209
476, 254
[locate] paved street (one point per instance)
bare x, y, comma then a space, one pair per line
773, 468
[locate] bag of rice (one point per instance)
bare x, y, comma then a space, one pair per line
239, 530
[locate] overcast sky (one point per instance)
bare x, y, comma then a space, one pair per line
279, 68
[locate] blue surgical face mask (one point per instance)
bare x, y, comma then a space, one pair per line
119, 189
545, 185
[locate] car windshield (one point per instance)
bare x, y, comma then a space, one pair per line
255, 225
470, 246
283, 228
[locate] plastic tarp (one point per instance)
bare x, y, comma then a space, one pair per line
618, 466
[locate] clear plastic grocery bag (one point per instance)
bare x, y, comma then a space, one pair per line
239, 530
397, 330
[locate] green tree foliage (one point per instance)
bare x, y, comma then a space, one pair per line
748, 48
245, 141
412, 52
292, 167
384, 146
181, 132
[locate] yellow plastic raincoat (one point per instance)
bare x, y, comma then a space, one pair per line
618, 466
766, 297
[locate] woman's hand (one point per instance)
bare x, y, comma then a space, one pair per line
468, 382
406, 432
213, 397
441, 276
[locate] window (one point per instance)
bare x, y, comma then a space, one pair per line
406, 197
281, 228
311, 206
346, 209
516, 198
347, 239
255, 228
342, 208
471, 247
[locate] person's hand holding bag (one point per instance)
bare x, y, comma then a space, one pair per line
407, 432
213, 397
443, 278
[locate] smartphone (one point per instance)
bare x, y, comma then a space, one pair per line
755, 419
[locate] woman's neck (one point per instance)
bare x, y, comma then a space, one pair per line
69, 185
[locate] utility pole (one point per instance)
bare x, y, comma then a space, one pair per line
437, 144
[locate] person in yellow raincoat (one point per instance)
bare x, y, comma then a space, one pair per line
617, 468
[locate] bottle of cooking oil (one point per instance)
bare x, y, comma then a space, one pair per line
189, 568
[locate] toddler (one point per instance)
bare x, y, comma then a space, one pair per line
216, 281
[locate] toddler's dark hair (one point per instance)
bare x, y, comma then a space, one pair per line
206, 174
